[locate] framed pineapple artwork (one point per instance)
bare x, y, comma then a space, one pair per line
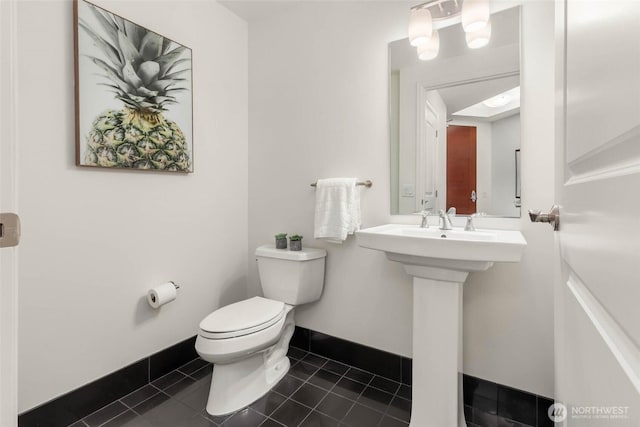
133, 95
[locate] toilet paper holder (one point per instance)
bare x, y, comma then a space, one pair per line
151, 297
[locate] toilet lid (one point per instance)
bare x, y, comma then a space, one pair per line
250, 315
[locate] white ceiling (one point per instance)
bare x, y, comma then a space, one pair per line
470, 98
252, 10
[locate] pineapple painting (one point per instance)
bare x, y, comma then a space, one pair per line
133, 95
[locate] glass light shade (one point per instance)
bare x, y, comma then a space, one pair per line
420, 26
475, 15
430, 49
480, 38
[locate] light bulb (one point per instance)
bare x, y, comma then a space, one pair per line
430, 49
420, 26
475, 15
480, 38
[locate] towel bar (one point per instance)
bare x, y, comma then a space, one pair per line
366, 183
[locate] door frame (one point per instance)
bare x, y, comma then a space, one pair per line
8, 202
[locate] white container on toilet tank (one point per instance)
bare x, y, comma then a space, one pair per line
247, 341
294, 283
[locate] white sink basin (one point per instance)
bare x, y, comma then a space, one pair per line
449, 249
439, 261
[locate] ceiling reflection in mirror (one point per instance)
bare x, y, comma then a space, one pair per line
455, 123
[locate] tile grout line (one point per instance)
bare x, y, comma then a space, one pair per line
344, 375
386, 412
354, 402
142, 401
360, 369
306, 381
98, 410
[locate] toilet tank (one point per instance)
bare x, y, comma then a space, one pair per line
293, 277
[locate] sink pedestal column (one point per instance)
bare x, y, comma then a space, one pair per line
437, 347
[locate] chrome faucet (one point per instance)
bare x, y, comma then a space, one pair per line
424, 223
470, 226
425, 216
445, 221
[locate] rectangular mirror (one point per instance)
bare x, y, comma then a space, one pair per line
455, 123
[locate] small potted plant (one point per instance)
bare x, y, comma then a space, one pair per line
281, 241
295, 242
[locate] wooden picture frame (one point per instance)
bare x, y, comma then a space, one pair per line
133, 93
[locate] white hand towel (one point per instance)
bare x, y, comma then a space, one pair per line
337, 212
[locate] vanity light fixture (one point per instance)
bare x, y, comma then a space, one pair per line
430, 49
420, 27
475, 15
426, 18
480, 38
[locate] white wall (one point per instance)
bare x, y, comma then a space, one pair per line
318, 108
94, 241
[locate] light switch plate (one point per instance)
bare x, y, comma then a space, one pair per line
407, 190
9, 230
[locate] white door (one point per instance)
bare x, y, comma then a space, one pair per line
8, 203
427, 160
598, 190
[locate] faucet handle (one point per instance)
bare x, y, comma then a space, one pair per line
425, 214
469, 226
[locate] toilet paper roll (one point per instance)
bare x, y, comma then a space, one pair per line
162, 294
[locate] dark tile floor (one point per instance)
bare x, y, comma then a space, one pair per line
317, 392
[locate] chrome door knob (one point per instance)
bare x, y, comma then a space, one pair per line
553, 217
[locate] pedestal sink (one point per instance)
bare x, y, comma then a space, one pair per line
439, 261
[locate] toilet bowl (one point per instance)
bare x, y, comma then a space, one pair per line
247, 341
248, 353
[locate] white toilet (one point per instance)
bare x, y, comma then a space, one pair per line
248, 341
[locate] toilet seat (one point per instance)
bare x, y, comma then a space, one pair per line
242, 318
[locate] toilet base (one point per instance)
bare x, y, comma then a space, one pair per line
238, 384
